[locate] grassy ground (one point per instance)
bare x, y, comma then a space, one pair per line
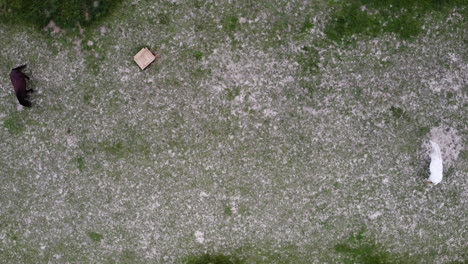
268, 132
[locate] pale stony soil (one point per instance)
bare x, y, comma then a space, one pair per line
237, 152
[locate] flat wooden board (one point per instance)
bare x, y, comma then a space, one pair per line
144, 58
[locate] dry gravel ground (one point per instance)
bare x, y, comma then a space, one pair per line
227, 146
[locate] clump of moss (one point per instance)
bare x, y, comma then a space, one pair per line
397, 112
96, 237
198, 54
227, 210
65, 13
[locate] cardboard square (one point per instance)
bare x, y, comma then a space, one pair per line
144, 58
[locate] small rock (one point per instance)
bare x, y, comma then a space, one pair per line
199, 237
375, 215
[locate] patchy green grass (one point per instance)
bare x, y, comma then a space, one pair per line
199, 73
307, 24
164, 18
268, 254
11, 235
81, 163
213, 259
14, 124
464, 155
65, 13
115, 148
374, 17
230, 23
232, 93
87, 98
397, 112
361, 249
309, 59
422, 131
127, 256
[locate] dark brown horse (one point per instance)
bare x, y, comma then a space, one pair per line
18, 79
